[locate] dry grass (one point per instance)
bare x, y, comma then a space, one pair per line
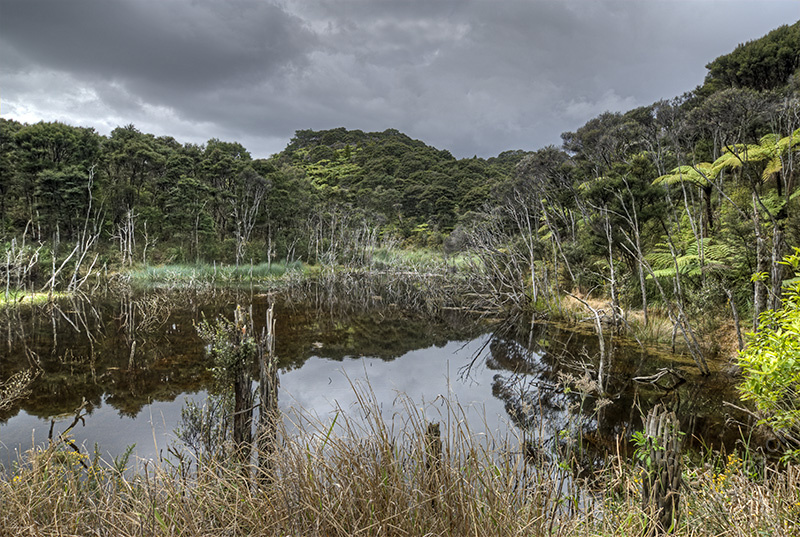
364, 476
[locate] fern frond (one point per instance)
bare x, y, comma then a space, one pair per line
697, 175
788, 142
716, 256
760, 154
661, 273
773, 202
727, 160
770, 140
685, 170
773, 166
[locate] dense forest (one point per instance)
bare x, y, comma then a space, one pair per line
216, 202
688, 203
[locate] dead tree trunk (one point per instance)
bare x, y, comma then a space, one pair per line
612, 277
242, 417
735, 313
600, 340
268, 394
433, 461
662, 480
759, 287
243, 399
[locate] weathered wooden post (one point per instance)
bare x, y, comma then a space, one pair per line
662, 477
268, 395
433, 460
242, 394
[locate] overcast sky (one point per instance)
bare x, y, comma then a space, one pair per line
474, 77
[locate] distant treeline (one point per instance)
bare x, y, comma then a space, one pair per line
212, 201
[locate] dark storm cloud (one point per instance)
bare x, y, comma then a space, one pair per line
195, 46
480, 77
474, 77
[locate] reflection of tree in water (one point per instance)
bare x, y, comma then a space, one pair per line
547, 379
534, 395
387, 336
128, 349
530, 403
125, 347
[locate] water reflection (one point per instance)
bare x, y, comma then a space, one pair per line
136, 356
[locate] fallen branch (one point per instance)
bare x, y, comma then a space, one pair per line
660, 374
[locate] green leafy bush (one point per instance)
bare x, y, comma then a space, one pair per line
771, 364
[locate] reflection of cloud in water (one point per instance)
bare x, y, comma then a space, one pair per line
521, 400
427, 377
151, 431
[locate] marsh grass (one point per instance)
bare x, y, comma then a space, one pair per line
360, 474
204, 273
27, 298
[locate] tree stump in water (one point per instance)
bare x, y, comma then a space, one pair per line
662, 478
242, 395
433, 460
269, 416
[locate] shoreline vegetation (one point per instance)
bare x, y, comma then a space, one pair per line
373, 478
420, 280
359, 476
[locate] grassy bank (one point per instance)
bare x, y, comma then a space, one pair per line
366, 477
208, 273
30, 298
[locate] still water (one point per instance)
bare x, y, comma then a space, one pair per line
136, 358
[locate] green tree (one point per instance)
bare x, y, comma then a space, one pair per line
771, 158
133, 160
762, 64
187, 216
700, 175
53, 174
221, 166
8, 170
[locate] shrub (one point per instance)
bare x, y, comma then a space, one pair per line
771, 364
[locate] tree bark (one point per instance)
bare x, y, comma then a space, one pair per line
268, 400
662, 480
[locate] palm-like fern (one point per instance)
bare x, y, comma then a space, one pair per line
771, 150
700, 175
689, 262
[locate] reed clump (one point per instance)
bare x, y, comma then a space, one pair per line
357, 473
208, 273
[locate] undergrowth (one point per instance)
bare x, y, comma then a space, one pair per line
209, 273
357, 474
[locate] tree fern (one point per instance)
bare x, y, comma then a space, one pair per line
771, 148
699, 174
716, 256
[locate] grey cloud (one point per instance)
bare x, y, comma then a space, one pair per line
474, 77
195, 46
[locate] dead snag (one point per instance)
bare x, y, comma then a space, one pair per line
661, 456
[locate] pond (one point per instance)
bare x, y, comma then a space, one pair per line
135, 359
